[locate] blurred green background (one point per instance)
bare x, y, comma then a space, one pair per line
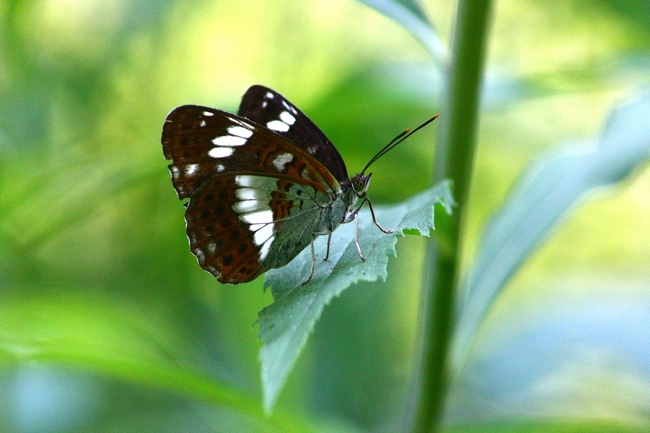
98, 288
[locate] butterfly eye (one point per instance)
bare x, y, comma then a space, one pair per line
360, 183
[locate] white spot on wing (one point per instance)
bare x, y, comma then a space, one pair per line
239, 122
249, 194
264, 104
281, 160
229, 141
266, 247
245, 180
221, 152
286, 105
263, 232
208, 114
175, 172
252, 199
191, 169
202, 123
247, 206
257, 218
220, 168
287, 118
240, 131
277, 125
269, 95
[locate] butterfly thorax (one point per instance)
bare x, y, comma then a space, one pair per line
357, 190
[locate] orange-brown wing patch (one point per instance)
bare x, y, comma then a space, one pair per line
221, 242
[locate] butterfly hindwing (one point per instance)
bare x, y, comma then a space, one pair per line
240, 226
270, 109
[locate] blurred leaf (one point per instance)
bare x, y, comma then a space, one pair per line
410, 15
286, 324
571, 348
104, 335
69, 193
546, 191
635, 11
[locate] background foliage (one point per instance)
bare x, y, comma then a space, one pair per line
108, 324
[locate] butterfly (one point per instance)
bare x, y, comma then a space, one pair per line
262, 184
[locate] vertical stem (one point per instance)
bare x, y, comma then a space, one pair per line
454, 159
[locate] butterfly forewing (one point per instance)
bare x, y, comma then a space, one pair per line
203, 142
270, 109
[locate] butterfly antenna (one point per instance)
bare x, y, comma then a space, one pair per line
397, 140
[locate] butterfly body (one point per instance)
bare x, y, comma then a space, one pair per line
261, 184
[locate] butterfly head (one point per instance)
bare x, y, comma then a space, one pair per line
360, 183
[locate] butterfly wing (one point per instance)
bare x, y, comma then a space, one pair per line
240, 226
202, 142
255, 198
272, 110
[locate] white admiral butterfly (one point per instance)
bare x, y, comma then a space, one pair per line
262, 184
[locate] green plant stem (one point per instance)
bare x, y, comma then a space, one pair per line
454, 160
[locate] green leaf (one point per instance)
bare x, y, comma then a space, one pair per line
286, 324
546, 191
410, 15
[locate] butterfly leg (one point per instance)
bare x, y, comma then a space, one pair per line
313, 262
329, 240
374, 219
356, 236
